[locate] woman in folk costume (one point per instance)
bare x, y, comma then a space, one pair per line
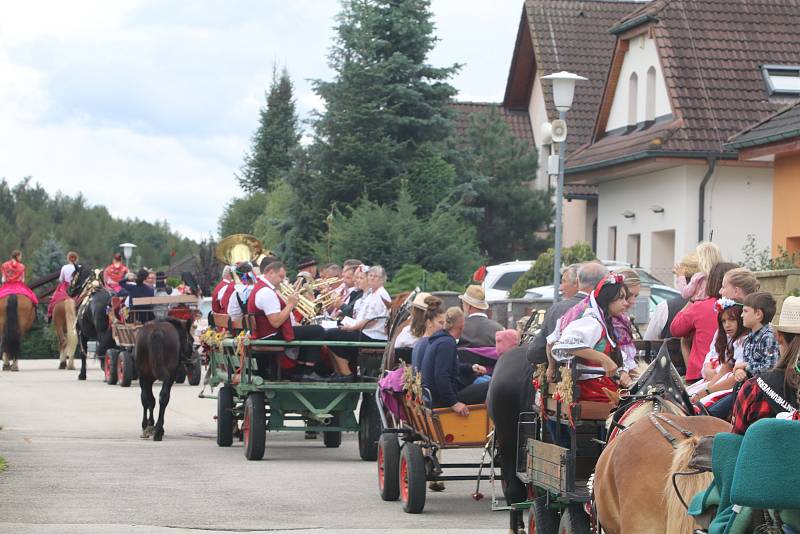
115, 273
591, 339
13, 278
64, 280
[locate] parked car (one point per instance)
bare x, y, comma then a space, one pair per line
500, 278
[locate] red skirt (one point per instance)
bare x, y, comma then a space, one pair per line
592, 389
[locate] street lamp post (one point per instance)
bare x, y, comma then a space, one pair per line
127, 251
563, 92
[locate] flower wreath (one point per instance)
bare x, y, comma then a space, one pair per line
725, 303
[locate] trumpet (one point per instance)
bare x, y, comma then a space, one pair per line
326, 282
306, 307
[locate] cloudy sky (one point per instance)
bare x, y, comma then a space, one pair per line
147, 106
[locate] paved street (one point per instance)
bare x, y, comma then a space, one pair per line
76, 464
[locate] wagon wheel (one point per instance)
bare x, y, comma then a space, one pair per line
254, 426
225, 419
125, 368
574, 520
111, 366
369, 429
196, 371
389, 467
333, 438
541, 519
412, 478
180, 373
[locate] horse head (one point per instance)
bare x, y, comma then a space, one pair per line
83, 277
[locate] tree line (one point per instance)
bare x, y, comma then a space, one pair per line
384, 177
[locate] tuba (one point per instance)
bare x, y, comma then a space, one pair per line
239, 248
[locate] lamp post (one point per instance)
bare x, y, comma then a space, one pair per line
127, 251
563, 92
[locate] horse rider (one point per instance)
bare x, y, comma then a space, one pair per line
64, 280
114, 273
479, 330
13, 278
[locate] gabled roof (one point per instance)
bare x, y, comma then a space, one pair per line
784, 124
569, 35
518, 122
711, 52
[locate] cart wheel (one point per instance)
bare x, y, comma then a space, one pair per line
389, 467
412, 478
542, 520
225, 419
369, 429
112, 357
180, 373
254, 426
574, 520
333, 438
125, 367
196, 372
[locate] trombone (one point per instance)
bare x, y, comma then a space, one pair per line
306, 307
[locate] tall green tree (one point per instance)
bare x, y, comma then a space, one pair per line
384, 103
277, 136
495, 170
49, 257
240, 214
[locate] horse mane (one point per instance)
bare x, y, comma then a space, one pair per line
678, 520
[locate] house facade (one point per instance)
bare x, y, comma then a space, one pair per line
684, 77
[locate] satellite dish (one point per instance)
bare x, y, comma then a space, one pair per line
559, 128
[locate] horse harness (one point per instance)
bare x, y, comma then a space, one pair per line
658, 418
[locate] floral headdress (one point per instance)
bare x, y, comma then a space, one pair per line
611, 279
725, 303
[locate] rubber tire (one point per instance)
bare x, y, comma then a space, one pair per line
196, 374
369, 429
389, 465
125, 368
412, 477
254, 426
333, 438
112, 367
542, 520
180, 374
574, 520
225, 419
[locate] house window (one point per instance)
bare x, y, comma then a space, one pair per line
782, 79
633, 93
612, 243
650, 104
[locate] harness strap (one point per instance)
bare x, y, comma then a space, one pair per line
657, 418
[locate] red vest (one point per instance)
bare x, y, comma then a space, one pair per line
226, 297
263, 326
216, 305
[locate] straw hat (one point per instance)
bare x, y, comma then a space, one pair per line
419, 300
789, 320
475, 297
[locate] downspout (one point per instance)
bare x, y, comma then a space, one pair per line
712, 165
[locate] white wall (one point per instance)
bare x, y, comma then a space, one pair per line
738, 202
641, 55
574, 214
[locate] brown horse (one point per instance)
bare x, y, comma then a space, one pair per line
64, 315
633, 488
17, 314
160, 347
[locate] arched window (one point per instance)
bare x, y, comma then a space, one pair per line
650, 103
633, 93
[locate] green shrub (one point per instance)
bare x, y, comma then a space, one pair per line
541, 273
412, 276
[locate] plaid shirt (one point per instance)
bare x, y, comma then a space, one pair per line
761, 350
751, 404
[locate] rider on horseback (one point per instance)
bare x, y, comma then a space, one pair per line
13, 278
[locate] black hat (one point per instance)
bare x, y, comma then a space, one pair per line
161, 276
306, 262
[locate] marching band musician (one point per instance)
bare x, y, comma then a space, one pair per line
217, 303
237, 301
275, 318
114, 273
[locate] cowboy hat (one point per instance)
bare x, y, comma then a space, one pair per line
789, 320
475, 297
419, 301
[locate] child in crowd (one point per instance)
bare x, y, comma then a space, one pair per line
761, 349
727, 349
708, 255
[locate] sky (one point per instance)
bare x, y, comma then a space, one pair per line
147, 106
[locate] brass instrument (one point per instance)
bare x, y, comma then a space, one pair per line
240, 248
306, 307
325, 283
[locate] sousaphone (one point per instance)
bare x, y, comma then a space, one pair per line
238, 248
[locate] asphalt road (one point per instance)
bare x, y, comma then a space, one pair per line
76, 465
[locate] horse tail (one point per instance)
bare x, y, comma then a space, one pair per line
155, 350
70, 319
12, 337
678, 520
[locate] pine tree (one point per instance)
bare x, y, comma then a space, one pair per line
275, 140
384, 103
49, 257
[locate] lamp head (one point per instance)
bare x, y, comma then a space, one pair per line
563, 88
628, 214
127, 250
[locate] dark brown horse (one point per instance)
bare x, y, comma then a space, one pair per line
17, 314
160, 347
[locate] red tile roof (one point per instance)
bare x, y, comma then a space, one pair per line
784, 124
518, 122
711, 53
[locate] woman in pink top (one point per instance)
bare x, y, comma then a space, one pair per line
700, 320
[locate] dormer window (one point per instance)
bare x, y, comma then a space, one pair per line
782, 79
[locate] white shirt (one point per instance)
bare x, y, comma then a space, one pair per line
405, 339
384, 294
67, 272
657, 322
372, 306
243, 291
582, 333
267, 301
221, 291
478, 314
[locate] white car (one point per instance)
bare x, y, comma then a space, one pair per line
500, 278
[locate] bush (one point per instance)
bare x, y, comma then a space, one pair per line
541, 273
413, 276
757, 259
